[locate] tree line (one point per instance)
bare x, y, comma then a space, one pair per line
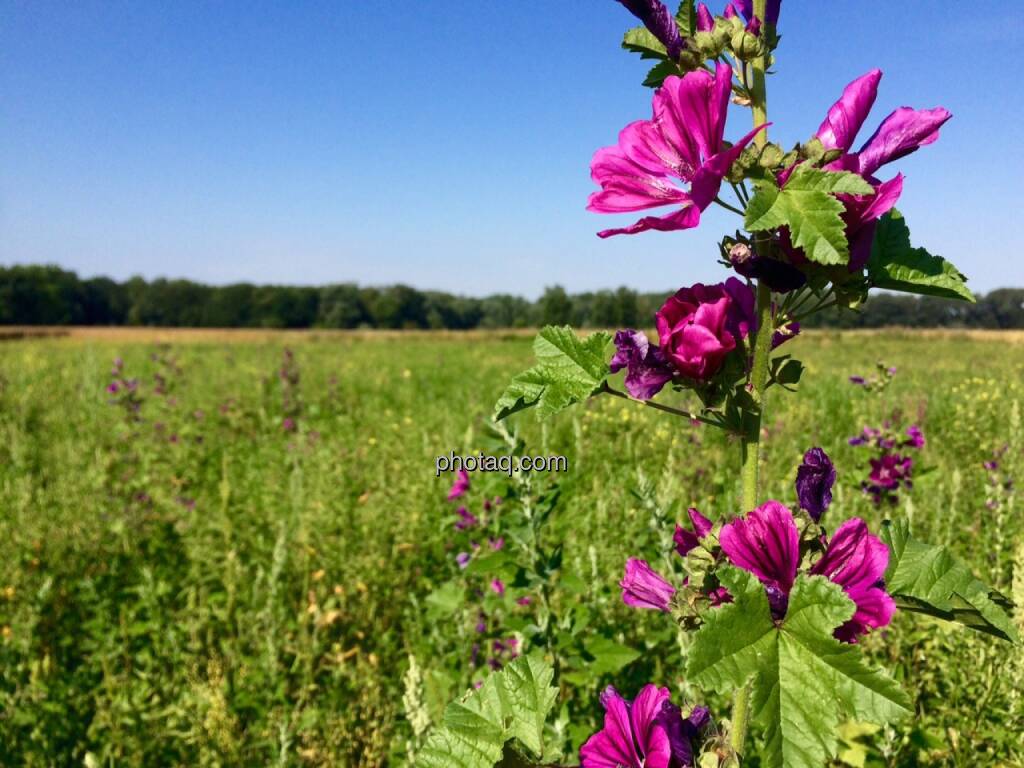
49, 295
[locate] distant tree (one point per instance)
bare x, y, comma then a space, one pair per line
555, 306
341, 306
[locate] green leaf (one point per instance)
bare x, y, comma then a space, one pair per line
609, 656
897, 266
807, 205
511, 705
568, 370
927, 579
686, 18
805, 682
786, 372
445, 600
656, 76
640, 40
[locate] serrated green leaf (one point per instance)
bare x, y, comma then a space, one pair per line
686, 18
640, 40
445, 600
807, 205
897, 266
657, 74
609, 656
927, 579
568, 370
511, 705
805, 682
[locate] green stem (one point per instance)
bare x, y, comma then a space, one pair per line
751, 443
659, 407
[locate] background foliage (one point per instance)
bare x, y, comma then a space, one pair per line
47, 295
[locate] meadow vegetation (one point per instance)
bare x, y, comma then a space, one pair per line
233, 553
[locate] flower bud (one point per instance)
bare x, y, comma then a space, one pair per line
740, 254
746, 46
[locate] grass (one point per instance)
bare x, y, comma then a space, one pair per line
190, 583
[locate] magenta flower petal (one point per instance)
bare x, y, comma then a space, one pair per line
688, 540
902, 132
682, 142
746, 7
613, 746
767, 543
633, 735
647, 369
460, 486
642, 587
846, 116
856, 560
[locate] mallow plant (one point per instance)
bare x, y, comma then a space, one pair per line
776, 596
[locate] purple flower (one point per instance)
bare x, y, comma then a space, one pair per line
112, 388
700, 325
814, 481
683, 141
856, 560
643, 588
659, 21
649, 732
746, 7
647, 370
915, 436
685, 540
460, 486
523, 601
497, 543
858, 380
288, 425
902, 132
462, 559
780, 276
890, 470
683, 733
466, 519
633, 736
498, 587
767, 543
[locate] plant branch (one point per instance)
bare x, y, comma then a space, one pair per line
659, 407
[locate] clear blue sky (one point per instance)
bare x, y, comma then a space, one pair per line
443, 144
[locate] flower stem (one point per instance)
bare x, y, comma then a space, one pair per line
607, 389
750, 446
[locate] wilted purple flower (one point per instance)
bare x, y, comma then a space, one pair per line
460, 486
462, 559
647, 369
915, 436
683, 141
814, 481
523, 601
643, 588
659, 21
466, 519
481, 625
858, 380
780, 276
683, 733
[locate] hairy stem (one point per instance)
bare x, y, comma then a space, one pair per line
751, 443
659, 407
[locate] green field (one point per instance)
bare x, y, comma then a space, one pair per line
191, 583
